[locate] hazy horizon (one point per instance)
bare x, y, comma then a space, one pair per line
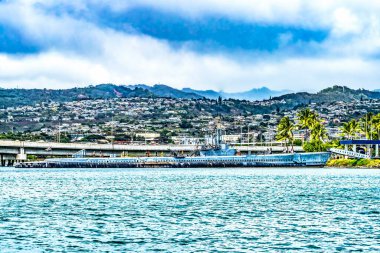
284, 91
235, 46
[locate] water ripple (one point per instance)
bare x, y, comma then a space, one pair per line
185, 210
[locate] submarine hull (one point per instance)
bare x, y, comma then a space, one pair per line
276, 160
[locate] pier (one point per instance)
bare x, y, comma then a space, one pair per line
360, 149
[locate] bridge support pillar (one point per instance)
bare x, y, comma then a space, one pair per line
21, 156
346, 149
8, 163
377, 150
369, 150
354, 147
2, 162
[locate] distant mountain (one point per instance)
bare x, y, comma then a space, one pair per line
20, 97
253, 94
211, 94
256, 94
161, 90
328, 95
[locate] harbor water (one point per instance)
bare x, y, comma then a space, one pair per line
189, 210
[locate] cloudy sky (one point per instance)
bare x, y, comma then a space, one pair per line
204, 44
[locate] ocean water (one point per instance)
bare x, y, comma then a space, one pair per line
189, 210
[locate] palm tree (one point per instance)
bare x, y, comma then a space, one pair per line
318, 132
355, 128
376, 125
346, 130
367, 126
306, 118
285, 131
350, 129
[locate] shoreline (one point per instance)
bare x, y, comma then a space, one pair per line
352, 167
354, 163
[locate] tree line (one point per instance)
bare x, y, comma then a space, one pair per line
316, 138
367, 127
310, 122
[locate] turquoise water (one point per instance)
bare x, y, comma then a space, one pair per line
189, 210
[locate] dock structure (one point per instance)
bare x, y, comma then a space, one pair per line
348, 153
359, 148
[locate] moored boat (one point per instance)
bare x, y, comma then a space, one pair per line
318, 159
218, 154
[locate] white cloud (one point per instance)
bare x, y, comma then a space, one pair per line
346, 22
80, 53
49, 69
56, 70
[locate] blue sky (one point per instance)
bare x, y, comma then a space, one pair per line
203, 44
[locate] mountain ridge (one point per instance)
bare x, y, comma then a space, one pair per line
252, 94
327, 95
162, 90
21, 97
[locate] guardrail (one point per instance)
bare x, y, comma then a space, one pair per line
75, 147
349, 153
93, 146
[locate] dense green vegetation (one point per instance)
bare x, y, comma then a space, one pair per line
26, 136
285, 132
317, 146
21, 97
349, 163
327, 95
316, 135
310, 122
23, 136
368, 126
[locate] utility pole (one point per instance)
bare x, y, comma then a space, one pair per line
248, 135
59, 132
366, 125
112, 137
241, 135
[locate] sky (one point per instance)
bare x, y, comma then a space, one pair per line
203, 44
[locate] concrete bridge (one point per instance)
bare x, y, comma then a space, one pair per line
12, 151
